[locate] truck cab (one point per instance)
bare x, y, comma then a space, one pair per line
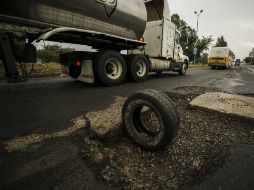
162, 39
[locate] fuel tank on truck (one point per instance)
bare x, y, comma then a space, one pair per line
124, 18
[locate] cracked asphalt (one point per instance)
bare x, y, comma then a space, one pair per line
48, 105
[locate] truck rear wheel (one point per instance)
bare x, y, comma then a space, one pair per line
138, 68
110, 67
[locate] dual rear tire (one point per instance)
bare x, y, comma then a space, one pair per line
138, 68
111, 68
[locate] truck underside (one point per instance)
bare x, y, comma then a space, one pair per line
110, 67
107, 65
16, 43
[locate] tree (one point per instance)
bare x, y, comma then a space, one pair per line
251, 54
231, 54
203, 58
188, 35
47, 56
203, 44
51, 53
58, 49
189, 38
221, 42
247, 60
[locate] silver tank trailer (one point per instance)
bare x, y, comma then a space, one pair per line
125, 18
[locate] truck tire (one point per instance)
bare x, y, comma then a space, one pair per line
138, 68
110, 67
168, 119
183, 69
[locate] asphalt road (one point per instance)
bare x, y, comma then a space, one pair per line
47, 105
44, 105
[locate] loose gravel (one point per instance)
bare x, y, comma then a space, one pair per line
202, 143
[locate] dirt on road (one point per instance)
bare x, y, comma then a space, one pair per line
59, 162
200, 147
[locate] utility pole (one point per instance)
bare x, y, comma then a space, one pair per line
198, 15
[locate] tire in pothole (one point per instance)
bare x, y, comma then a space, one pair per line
150, 119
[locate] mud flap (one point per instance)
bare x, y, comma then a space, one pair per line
87, 74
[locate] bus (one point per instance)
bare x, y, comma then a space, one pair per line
220, 57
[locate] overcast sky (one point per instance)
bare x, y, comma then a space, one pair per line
233, 19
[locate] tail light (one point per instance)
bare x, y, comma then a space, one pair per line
78, 63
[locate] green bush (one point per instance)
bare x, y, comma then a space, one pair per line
51, 53
203, 59
47, 56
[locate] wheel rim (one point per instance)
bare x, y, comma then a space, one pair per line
141, 68
146, 121
113, 68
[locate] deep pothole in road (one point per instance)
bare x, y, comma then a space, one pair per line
201, 145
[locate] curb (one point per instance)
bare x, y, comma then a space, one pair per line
197, 66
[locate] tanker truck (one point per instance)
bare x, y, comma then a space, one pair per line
142, 28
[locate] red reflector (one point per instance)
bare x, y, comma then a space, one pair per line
78, 63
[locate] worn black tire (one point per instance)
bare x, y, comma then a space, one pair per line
183, 68
132, 67
169, 119
99, 63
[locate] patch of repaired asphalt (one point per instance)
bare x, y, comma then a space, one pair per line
238, 80
103, 124
107, 124
24, 141
52, 164
201, 145
227, 83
